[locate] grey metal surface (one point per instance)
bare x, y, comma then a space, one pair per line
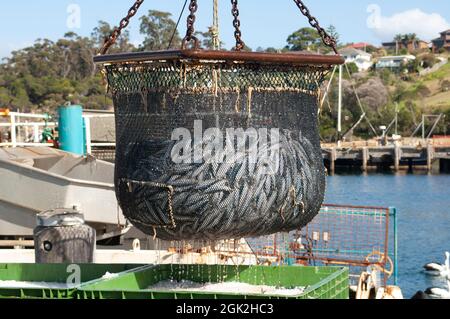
38, 179
60, 217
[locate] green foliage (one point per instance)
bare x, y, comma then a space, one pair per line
47, 74
206, 39
428, 60
445, 85
352, 67
387, 76
158, 28
304, 39
103, 31
332, 31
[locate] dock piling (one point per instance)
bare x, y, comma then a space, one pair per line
365, 159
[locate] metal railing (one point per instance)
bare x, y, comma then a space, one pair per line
19, 123
15, 124
354, 236
88, 132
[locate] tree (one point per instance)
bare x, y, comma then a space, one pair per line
158, 28
48, 74
103, 31
304, 39
206, 39
412, 37
332, 31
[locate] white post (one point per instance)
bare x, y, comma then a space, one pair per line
36, 133
339, 128
87, 123
423, 127
396, 118
13, 131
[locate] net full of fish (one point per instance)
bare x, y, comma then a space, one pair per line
280, 187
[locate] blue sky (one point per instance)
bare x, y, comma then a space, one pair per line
264, 22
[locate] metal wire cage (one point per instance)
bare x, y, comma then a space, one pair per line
217, 144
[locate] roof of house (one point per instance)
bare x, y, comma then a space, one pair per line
446, 31
393, 43
352, 51
398, 57
360, 45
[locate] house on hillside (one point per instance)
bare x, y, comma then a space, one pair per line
363, 46
443, 42
363, 60
410, 45
394, 63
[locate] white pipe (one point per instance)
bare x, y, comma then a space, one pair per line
32, 116
27, 124
339, 128
98, 116
36, 133
87, 123
103, 144
18, 144
328, 87
13, 131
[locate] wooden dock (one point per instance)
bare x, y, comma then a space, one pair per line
433, 158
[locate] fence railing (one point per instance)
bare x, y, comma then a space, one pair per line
19, 123
88, 132
26, 133
355, 236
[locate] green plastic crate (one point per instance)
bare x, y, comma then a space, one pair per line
51, 273
321, 282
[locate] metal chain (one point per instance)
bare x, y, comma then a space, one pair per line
111, 40
237, 26
326, 38
170, 193
191, 26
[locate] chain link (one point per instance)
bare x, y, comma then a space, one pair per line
111, 40
326, 38
191, 26
237, 26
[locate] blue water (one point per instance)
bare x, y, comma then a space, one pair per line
423, 204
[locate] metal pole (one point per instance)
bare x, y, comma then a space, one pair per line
87, 123
328, 87
423, 127
13, 131
396, 118
393, 211
435, 125
36, 133
339, 128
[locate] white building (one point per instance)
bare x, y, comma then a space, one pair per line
394, 62
363, 60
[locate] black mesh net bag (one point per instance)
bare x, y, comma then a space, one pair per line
215, 145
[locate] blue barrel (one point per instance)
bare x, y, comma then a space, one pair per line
71, 132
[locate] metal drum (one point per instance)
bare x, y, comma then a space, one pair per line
62, 237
